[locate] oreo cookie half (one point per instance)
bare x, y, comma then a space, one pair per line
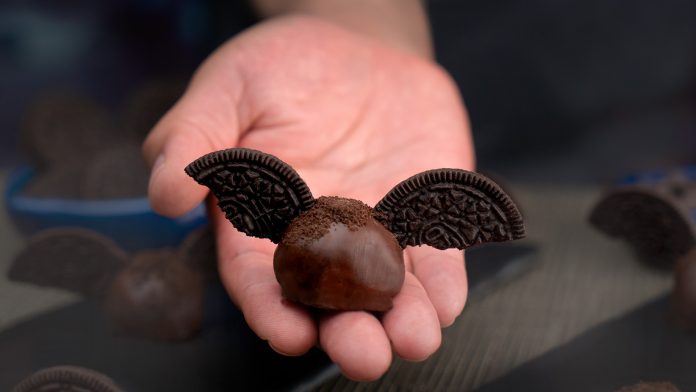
657, 225
259, 193
67, 378
59, 181
449, 208
63, 126
77, 260
114, 173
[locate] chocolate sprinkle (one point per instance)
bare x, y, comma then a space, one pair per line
329, 210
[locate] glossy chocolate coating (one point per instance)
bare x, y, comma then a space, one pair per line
684, 294
344, 265
157, 296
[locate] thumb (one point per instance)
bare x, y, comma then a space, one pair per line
205, 119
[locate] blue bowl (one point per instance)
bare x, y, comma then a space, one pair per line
131, 223
654, 177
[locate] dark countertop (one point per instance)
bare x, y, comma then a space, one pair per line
582, 280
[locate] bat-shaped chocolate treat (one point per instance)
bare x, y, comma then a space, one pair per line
156, 294
338, 253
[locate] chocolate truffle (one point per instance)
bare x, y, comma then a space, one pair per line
683, 298
337, 256
63, 126
157, 296
339, 253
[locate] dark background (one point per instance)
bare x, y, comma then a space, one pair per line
599, 87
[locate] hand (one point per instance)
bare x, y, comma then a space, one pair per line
354, 118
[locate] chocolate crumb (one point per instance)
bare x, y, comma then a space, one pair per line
329, 210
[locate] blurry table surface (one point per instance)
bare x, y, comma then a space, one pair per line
582, 279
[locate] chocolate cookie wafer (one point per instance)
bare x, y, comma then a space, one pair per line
62, 181
449, 208
114, 173
67, 378
77, 260
657, 218
65, 126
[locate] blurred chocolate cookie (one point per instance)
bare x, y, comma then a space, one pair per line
59, 181
77, 260
157, 296
65, 126
657, 218
148, 104
114, 173
66, 378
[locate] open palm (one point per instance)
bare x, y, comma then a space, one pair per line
354, 118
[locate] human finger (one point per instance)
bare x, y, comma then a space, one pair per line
443, 277
412, 325
246, 269
357, 343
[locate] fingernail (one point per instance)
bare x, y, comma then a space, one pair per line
282, 352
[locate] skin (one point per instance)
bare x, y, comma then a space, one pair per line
354, 116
